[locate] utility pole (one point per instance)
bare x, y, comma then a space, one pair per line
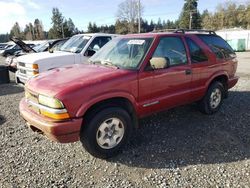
62, 30
139, 16
190, 20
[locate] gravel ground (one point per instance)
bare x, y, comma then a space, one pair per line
177, 148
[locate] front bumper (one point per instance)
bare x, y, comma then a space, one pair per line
21, 78
63, 132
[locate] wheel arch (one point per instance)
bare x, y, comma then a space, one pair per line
119, 101
221, 77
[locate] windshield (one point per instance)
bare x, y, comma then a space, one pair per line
122, 52
75, 44
41, 47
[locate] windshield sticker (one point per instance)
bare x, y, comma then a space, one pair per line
136, 42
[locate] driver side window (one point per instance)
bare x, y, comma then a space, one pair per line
98, 43
171, 48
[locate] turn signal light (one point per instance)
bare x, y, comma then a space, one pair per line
55, 116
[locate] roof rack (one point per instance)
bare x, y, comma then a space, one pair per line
162, 30
195, 30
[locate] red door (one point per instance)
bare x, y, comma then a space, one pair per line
171, 84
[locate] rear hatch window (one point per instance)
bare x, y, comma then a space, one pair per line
219, 46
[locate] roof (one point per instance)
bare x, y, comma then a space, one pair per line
96, 34
166, 33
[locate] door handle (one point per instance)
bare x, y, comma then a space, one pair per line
188, 71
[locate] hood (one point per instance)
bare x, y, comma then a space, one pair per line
23, 46
46, 56
68, 78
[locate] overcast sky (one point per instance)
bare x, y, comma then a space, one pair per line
83, 11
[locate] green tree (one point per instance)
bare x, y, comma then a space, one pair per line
228, 15
57, 24
69, 28
4, 37
92, 28
38, 30
16, 31
28, 31
121, 27
190, 16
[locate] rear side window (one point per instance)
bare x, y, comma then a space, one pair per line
219, 46
196, 53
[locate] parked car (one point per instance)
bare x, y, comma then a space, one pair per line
52, 45
4, 48
3, 45
11, 50
76, 50
100, 102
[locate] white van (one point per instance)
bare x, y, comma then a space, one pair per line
76, 50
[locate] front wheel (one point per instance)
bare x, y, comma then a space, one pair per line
213, 99
105, 133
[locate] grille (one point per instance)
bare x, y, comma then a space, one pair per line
23, 71
21, 64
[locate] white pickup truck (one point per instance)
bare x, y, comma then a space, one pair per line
76, 50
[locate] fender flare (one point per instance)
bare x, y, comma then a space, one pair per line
88, 104
217, 74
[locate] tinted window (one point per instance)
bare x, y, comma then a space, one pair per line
219, 46
196, 53
173, 49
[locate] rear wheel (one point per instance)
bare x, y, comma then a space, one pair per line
213, 99
105, 133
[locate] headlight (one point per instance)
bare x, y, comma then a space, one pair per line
50, 102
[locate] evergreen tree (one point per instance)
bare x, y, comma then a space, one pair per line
28, 32
16, 31
4, 37
57, 24
38, 30
189, 14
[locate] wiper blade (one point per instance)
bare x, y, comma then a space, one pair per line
66, 51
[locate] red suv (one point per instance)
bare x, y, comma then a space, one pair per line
99, 102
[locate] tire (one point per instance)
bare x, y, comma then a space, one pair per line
102, 134
213, 99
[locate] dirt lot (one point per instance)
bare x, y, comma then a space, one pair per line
177, 148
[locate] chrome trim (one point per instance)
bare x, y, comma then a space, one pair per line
48, 109
150, 104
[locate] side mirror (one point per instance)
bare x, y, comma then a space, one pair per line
50, 48
159, 62
89, 53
